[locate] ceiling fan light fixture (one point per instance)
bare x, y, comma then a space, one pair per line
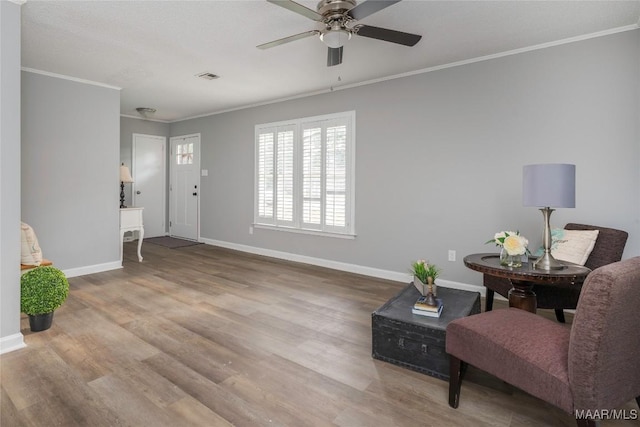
145, 110
335, 38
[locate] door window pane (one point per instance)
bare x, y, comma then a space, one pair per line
184, 154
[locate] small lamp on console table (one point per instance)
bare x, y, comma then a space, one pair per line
548, 186
125, 178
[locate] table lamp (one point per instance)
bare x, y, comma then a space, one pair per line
548, 186
125, 178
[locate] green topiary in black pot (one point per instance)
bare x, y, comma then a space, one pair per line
42, 290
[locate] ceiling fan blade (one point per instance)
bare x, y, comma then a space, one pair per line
288, 39
298, 8
334, 56
387, 35
370, 7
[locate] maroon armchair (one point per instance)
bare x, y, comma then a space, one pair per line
608, 249
591, 366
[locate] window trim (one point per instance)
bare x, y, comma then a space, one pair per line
298, 225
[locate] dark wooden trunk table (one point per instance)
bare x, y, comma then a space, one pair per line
418, 342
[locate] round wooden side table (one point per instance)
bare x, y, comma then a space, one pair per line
523, 278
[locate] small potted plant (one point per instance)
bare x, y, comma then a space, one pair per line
426, 274
42, 290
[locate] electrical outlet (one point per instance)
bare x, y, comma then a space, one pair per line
251, 229
452, 255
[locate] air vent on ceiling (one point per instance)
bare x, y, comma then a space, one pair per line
208, 76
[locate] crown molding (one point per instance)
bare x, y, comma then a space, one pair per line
354, 85
144, 118
428, 70
501, 54
73, 79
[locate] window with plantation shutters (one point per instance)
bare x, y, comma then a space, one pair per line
304, 174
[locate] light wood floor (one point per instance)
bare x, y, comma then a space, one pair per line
205, 336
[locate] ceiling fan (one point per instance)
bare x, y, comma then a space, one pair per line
338, 22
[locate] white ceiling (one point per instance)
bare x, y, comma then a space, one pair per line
154, 49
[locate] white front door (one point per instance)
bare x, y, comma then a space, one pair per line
149, 186
184, 190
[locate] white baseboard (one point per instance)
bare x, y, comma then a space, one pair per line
90, 269
463, 286
337, 265
11, 343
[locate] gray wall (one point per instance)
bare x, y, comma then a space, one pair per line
10, 336
438, 160
128, 127
70, 158
439, 156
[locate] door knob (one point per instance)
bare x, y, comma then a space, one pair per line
138, 192
195, 194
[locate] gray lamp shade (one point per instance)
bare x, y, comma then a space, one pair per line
549, 185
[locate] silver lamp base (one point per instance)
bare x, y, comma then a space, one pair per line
547, 261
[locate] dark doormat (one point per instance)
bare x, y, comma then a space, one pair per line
171, 242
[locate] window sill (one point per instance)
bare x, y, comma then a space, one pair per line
305, 231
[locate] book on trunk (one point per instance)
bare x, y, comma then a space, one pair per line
421, 304
421, 307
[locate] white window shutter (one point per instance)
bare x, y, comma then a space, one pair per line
305, 174
312, 177
336, 176
265, 177
284, 177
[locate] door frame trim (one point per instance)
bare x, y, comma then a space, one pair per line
198, 174
164, 173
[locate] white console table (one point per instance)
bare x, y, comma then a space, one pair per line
131, 220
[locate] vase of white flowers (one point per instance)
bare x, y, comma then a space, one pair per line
512, 247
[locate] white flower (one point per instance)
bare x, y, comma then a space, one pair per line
511, 241
515, 244
499, 237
